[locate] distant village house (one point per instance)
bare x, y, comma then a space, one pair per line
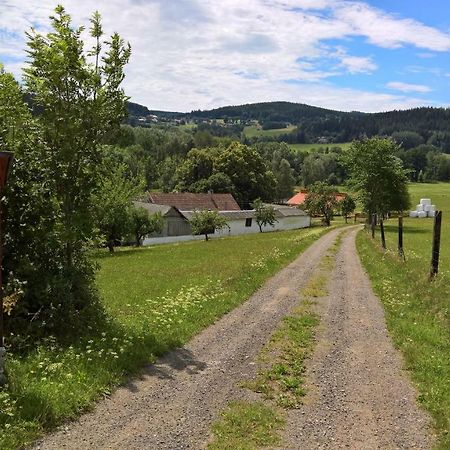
177, 209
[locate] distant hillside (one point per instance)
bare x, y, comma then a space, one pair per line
313, 123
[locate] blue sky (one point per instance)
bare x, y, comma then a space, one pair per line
372, 55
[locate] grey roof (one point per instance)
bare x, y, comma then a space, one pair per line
289, 211
152, 208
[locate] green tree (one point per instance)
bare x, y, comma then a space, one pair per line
33, 264
407, 139
377, 175
143, 224
321, 201
80, 100
285, 180
249, 173
206, 222
113, 204
347, 205
264, 214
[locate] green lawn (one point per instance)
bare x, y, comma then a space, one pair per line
417, 311
254, 130
156, 298
310, 147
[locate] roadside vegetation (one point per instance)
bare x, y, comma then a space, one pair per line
417, 311
246, 426
155, 299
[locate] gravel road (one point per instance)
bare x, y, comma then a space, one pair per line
175, 401
358, 395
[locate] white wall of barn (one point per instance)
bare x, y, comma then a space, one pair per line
236, 228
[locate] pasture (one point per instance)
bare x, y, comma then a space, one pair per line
418, 311
310, 147
156, 299
257, 131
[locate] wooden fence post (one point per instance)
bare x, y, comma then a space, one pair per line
401, 253
383, 238
436, 245
372, 225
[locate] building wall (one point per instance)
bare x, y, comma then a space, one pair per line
175, 226
284, 223
237, 227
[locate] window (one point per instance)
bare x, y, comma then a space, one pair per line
248, 222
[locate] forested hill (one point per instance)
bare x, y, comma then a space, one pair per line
313, 123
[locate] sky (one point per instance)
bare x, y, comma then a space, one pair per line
375, 55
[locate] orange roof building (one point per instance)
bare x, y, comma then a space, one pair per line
299, 198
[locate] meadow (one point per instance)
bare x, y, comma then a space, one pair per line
257, 131
418, 311
310, 147
156, 299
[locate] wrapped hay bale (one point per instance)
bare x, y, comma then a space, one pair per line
413, 214
421, 214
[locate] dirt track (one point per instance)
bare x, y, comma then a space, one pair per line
360, 397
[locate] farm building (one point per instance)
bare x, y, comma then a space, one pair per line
177, 209
299, 198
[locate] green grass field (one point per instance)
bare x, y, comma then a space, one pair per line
157, 298
254, 130
417, 311
310, 147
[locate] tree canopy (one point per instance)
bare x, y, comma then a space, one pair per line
377, 175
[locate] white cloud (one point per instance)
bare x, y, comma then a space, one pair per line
189, 54
390, 31
407, 87
355, 64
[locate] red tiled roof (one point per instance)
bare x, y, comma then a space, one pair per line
187, 201
300, 197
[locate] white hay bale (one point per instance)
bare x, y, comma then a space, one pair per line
425, 201
421, 214
413, 214
427, 208
432, 213
419, 208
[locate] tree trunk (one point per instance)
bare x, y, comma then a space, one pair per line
345, 215
111, 246
206, 237
138, 240
260, 228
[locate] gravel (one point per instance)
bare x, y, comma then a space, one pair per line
359, 395
173, 404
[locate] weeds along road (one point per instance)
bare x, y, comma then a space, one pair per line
360, 398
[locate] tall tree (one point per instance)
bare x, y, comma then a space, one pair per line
285, 180
80, 100
377, 175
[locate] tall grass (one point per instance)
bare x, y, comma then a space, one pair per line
417, 311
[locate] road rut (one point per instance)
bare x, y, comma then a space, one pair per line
175, 401
358, 395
